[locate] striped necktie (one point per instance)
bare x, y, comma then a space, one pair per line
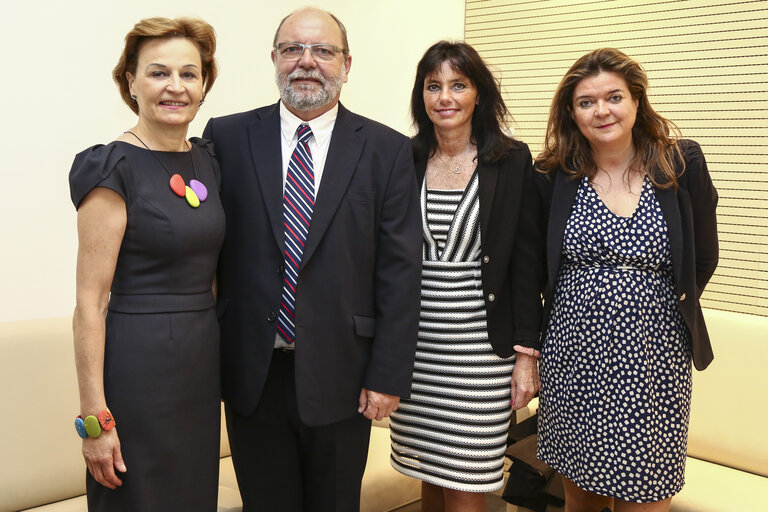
298, 201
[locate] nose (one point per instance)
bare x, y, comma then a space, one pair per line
307, 60
174, 83
601, 108
445, 95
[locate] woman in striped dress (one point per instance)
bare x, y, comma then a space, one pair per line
482, 272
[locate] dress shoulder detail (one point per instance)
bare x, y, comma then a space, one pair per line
204, 144
94, 167
207, 148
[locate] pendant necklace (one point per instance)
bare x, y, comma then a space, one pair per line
195, 193
456, 170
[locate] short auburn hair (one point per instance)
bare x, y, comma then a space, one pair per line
197, 31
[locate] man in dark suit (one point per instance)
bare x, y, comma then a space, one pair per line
318, 282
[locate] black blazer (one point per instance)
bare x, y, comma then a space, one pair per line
689, 212
358, 300
512, 245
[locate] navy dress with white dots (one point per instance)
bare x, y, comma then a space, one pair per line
615, 366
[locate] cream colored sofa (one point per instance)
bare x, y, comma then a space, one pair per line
41, 467
727, 466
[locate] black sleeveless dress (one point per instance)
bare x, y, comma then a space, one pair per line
161, 361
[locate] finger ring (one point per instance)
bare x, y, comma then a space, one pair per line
533, 351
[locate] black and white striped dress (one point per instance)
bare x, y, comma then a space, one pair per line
452, 432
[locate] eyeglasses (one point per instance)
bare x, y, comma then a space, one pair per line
320, 51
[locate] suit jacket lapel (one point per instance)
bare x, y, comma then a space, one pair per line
266, 154
343, 154
488, 176
667, 199
563, 195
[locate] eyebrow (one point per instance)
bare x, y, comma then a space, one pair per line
164, 66
454, 81
590, 96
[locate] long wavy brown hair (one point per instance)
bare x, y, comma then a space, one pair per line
653, 136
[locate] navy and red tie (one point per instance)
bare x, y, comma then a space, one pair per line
298, 202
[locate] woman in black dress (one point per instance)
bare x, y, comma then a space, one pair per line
632, 242
150, 225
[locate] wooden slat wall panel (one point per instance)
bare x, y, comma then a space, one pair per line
707, 63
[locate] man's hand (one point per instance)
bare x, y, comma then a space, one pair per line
525, 381
377, 406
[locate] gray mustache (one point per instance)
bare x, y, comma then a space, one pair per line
301, 75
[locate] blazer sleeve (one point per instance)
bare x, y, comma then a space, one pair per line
528, 264
704, 205
397, 281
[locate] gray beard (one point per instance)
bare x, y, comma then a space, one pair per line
302, 98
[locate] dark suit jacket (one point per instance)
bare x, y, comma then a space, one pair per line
357, 304
512, 245
689, 211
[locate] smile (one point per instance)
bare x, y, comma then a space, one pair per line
307, 80
603, 126
446, 111
173, 103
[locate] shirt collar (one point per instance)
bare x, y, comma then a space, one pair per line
322, 126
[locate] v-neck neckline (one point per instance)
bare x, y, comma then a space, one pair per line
440, 253
605, 206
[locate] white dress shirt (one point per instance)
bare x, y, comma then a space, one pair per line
321, 126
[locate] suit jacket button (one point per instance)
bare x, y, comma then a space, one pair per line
271, 316
491, 297
280, 269
486, 259
682, 297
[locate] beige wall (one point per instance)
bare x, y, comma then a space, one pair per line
57, 98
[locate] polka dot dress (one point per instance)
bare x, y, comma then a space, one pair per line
615, 369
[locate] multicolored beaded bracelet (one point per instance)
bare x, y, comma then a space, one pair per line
92, 426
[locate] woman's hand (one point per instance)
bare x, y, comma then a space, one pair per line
102, 456
525, 381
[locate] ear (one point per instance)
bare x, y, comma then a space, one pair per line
347, 67
130, 78
273, 57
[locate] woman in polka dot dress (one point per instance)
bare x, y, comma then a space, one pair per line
632, 241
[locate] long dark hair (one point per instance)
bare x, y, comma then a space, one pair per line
489, 117
654, 137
